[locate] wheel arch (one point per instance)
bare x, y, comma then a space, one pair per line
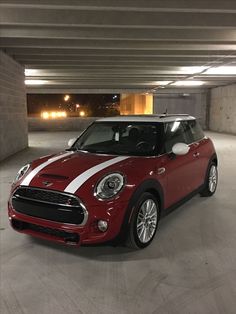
152, 186
214, 159
204, 191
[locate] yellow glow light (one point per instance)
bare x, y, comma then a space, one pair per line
53, 114
66, 97
82, 113
45, 115
64, 114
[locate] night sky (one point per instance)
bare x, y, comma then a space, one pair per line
93, 104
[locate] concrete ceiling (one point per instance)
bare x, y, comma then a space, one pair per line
125, 45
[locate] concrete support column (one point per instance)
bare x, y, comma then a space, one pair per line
136, 104
13, 111
223, 109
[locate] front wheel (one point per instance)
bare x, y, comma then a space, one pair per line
144, 221
211, 181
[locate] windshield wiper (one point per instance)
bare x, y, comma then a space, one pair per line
96, 151
110, 152
75, 149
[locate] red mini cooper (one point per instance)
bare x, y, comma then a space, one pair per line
115, 181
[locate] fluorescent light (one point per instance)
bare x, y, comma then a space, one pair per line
188, 83
35, 82
192, 70
222, 70
30, 72
163, 83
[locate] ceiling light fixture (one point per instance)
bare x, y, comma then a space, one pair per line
35, 82
163, 83
193, 70
188, 83
222, 70
30, 72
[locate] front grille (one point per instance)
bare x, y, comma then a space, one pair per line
66, 236
47, 196
50, 205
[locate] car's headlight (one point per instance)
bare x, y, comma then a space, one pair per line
109, 186
21, 173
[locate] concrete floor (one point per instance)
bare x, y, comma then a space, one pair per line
189, 268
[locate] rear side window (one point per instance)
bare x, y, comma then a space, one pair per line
193, 131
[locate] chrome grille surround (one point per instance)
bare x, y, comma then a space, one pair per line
57, 198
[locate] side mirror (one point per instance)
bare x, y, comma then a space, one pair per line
71, 141
180, 149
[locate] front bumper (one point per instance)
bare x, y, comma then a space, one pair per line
113, 212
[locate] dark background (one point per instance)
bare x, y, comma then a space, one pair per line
94, 105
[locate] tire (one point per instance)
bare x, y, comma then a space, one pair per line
144, 222
210, 181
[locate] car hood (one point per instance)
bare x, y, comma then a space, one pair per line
68, 171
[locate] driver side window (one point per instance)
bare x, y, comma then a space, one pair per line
174, 133
101, 134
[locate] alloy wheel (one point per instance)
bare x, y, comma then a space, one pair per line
147, 220
212, 178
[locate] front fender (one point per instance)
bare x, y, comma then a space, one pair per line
149, 185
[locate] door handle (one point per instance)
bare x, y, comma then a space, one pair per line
196, 155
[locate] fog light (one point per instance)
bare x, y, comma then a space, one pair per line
102, 225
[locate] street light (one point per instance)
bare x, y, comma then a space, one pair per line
66, 97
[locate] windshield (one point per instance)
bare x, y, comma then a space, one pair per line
120, 138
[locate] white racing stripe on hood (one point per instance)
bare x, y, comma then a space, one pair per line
82, 178
36, 170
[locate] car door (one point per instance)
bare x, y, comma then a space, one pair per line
178, 169
197, 143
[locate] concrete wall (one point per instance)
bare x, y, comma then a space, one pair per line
13, 112
223, 109
184, 101
67, 124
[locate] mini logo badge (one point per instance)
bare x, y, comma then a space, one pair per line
47, 183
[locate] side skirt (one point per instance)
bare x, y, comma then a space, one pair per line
170, 209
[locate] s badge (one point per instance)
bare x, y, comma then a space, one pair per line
47, 183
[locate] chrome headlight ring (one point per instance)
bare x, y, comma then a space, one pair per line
109, 186
21, 173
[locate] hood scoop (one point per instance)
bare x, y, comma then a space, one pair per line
53, 176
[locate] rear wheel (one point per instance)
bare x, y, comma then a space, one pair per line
211, 180
144, 221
